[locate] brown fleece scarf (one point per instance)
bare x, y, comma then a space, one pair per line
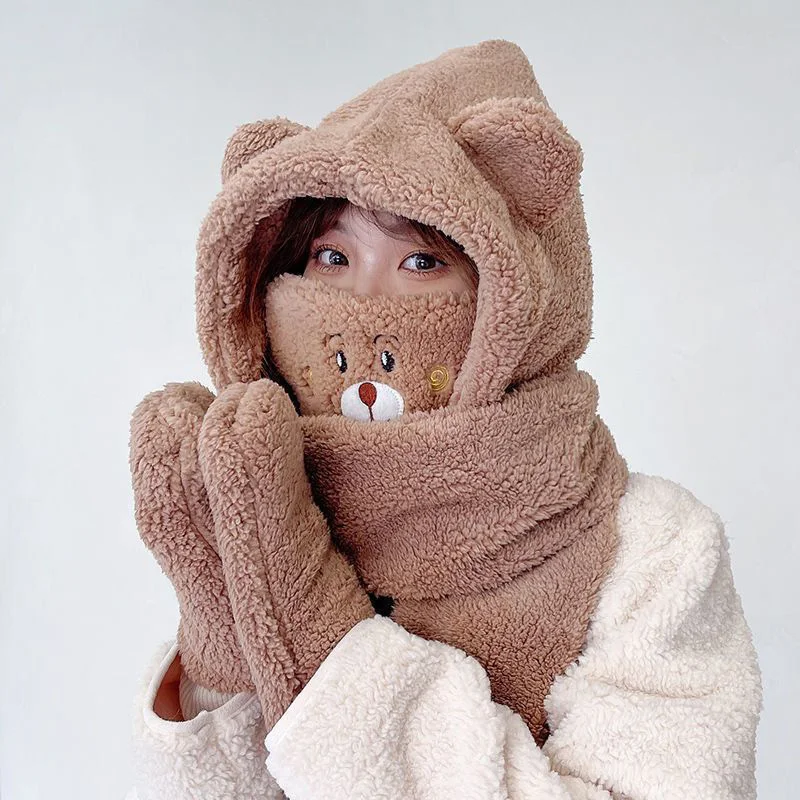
490, 527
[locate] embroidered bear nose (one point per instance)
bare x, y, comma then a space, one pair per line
368, 394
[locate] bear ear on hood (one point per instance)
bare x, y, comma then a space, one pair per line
524, 151
253, 138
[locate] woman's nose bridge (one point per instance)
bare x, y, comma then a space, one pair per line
371, 279
373, 273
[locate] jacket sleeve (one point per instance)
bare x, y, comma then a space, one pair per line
217, 755
662, 703
390, 715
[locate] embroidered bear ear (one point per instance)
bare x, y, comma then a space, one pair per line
524, 151
253, 138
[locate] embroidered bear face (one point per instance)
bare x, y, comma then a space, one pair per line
369, 358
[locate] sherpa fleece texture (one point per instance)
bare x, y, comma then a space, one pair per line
399, 344
491, 528
662, 704
465, 142
174, 520
220, 488
518, 500
292, 593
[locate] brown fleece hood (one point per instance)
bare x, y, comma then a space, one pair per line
490, 520
466, 143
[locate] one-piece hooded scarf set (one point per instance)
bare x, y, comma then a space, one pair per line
447, 465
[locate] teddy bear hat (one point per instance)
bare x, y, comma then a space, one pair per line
490, 521
466, 143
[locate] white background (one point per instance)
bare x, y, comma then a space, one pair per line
114, 118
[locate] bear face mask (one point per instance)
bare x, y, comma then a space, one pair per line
370, 358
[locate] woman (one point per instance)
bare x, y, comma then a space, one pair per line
548, 624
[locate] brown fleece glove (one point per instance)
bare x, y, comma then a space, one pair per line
175, 523
293, 594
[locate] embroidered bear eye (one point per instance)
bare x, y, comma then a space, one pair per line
341, 360
387, 360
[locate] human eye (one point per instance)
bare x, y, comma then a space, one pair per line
423, 263
327, 258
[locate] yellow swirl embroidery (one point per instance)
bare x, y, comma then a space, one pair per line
438, 378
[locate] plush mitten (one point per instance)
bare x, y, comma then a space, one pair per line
293, 594
175, 522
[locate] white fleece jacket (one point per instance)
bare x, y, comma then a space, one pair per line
662, 703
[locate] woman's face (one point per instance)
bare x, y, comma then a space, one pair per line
356, 256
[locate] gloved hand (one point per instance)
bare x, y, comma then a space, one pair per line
293, 594
175, 523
